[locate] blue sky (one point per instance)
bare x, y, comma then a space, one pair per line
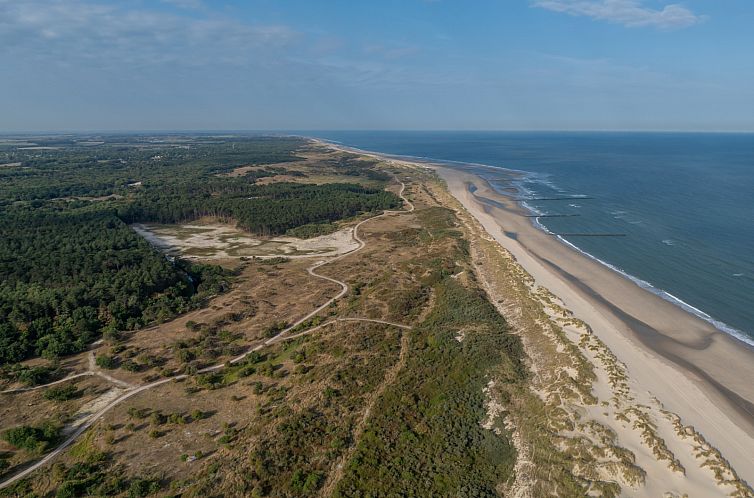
376, 64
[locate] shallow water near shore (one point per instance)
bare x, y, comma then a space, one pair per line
682, 205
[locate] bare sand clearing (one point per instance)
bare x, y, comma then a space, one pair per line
690, 368
219, 241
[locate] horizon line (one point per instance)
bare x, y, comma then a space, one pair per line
292, 131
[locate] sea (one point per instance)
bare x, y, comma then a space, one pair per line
681, 203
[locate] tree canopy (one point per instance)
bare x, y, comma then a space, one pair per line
71, 269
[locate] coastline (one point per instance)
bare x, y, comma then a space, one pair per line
516, 184
695, 370
691, 368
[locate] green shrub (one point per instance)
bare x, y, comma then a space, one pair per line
34, 376
104, 361
131, 366
139, 413
312, 230
254, 357
33, 439
61, 393
157, 418
143, 487
211, 381
306, 483
275, 329
274, 261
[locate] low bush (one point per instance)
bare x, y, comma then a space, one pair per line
33, 439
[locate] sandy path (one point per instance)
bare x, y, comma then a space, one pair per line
42, 386
92, 370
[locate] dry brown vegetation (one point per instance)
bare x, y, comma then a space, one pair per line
464, 402
317, 165
284, 420
558, 453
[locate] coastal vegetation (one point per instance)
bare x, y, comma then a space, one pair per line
33, 439
62, 393
324, 420
425, 437
574, 420
71, 275
263, 210
124, 165
428, 422
312, 230
71, 269
440, 369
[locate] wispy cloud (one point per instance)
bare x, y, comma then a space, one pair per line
117, 34
185, 4
97, 41
630, 13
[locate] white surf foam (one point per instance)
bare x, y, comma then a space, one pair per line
527, 176
721, 326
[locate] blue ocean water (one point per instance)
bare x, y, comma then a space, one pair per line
684, 201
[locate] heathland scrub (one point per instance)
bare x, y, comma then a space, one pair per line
290, 332
648, 410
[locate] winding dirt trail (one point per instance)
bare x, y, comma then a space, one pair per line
42, 386
282, 336
91, 371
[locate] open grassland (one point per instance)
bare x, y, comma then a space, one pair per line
315, 165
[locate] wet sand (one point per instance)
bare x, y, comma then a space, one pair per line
696, 371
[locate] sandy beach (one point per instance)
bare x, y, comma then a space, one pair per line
695, 371
670, 372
